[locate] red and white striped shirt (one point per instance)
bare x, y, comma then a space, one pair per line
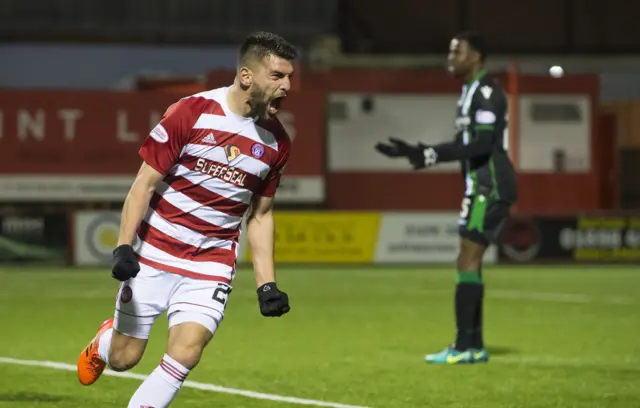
214, 161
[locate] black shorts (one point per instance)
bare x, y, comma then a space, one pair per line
482, 218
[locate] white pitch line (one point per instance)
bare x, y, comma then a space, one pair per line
189, 384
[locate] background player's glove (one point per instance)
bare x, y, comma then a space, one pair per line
396, 148
125, 264
273, 302
420, 156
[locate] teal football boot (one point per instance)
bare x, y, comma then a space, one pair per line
450, 356
479, 355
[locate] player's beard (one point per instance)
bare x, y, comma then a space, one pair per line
262, 104
259, 102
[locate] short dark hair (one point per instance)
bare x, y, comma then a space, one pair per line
475, 41
260, 44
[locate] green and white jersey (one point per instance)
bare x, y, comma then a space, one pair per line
482, 112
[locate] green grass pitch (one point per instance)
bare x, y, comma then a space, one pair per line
558, 337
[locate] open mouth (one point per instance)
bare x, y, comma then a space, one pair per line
275, 104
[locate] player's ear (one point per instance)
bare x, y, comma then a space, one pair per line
475, 55
245, 75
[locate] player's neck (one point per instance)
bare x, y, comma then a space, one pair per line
238, 102
473, 74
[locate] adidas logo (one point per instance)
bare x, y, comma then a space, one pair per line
209, 139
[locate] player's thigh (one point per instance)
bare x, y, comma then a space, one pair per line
196, 309
482, 224
140, 301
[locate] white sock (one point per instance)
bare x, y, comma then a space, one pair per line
162, 386
103, 345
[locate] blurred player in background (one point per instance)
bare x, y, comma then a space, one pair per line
489, 186
214, 157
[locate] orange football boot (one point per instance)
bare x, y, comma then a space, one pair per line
90, 365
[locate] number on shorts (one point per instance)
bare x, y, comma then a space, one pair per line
466, 203
221, 293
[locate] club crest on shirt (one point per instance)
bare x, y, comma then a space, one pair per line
257, 150
232, 151
126, 294
159, 134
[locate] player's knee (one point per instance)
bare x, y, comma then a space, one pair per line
124, 358
465, 262
186, 354
470, 255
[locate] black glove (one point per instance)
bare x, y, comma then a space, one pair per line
273, 302
420, 156
125, 263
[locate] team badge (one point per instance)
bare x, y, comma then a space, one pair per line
257, 150
486, 91
126, 294
159, 134
231, 151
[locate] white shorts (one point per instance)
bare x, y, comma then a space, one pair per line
152, 292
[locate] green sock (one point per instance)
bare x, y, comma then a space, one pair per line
469, 290
478, 341
470, 277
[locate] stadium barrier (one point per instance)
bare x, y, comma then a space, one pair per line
366, 238
30, 237
329, 237
309, 237
585, 238
95, 235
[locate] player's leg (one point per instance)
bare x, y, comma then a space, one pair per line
469, 294
468, 300
195, 312
493, 219
124, 351
121, 341
184, 349
477, 230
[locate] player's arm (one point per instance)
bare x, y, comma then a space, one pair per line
160, 151
137, 202
484, 115
485, 110
421, 156
480, 145
261, 237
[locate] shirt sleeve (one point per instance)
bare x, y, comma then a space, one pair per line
454, 151
161, 149
485, 110
272, 181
